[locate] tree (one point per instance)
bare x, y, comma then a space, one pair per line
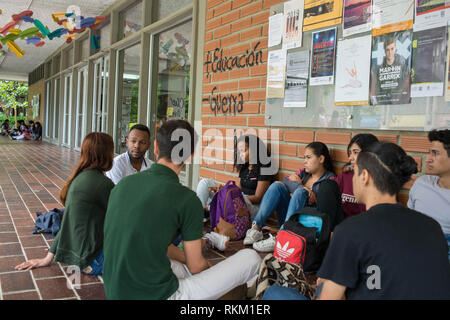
13, 95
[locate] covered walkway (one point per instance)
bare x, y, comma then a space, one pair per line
31, 177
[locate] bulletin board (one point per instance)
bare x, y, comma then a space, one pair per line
422, 114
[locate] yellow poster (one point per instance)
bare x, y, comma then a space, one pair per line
322, 13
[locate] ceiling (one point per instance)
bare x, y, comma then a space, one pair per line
13, 68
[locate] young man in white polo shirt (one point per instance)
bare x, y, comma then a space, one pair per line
132, 161
430, 193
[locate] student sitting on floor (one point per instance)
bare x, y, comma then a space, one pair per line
357, 144
36, 133
306, 186
132, 161
430, 193
85, 195
5, 128
146, 212
388, 252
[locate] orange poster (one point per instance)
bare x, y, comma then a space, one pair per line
322, 13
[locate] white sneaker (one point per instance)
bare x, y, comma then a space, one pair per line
252, 236
217, 240
265, 245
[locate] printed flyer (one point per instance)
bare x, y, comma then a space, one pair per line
322, 13
353, 72
357, 17
322, 57
297, 70
293, 22
276, 74
431, 14
390, 79
429, 56
390, 16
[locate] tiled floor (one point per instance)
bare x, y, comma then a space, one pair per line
31, 177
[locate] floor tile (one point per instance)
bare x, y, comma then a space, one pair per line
54, 288
31, 295
16, 281
13, 249
7, 264
92, 292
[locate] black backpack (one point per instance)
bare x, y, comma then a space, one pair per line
316, 230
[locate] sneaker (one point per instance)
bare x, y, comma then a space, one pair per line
252, 236
217, 240
265, 245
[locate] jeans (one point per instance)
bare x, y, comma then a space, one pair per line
277, 198
285, 293
96, 267
447, 236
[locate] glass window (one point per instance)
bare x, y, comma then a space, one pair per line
80, 114
174, 64
166, 7
56, 108
131, 19
127, 113
67, 108
100, 96
48, 100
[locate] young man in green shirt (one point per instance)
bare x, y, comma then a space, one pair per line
146, 212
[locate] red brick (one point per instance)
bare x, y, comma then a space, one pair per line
226, 7
299, 136
205, 121
259, 95
251, 34
251, 108
222, 177
240, 3
211, 46
239, 73
212, 24
221, 76
387, 138
221, 32
207, 173
229, 41
217, 121
288, 150
269, 3
251, 9
240, 49
260, 70
249, 84
233, 16
209, 14
213, 3
261, 18
301, 151
419, 162
229, 86
256, 121
342, 138
237, 121
291, 165
242, 24
415, 144
339, 155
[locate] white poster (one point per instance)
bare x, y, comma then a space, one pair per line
392, 15
293, 24
357, 17
297, 70
353, 71
431, 14
276, 73
276, 24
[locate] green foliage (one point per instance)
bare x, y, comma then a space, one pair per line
13, 94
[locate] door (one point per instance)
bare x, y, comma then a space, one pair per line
56, 106
80, 114
100, 96
67, 127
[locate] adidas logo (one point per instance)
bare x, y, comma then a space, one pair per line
284, 252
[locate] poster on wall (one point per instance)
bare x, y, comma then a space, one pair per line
276, 74
322, 13
297, 70
276, 23
390, 79
431, 14
176, 106
357, 17
353, 72
293, 24
447, 78
429, 56
35, 104
322, 57
391, 16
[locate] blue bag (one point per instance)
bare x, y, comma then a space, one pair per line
49, 222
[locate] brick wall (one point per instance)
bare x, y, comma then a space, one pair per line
236, 82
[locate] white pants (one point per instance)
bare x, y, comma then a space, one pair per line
205, 195
216, 281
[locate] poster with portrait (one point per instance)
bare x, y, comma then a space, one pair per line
323, 57
353, 72
429, 56
322, 13
357, 17
293, 24
296, 88
390, 76
391, 16
431, 14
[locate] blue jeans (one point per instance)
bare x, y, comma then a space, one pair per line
447, 236
277, 198
285, 293
97, 265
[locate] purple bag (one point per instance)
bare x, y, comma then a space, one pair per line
229, 204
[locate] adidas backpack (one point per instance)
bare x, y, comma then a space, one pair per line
228, 211
304, 239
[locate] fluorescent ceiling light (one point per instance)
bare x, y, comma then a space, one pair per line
128, 76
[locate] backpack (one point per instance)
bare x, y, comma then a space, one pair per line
304, 239
228, 212
49, 222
